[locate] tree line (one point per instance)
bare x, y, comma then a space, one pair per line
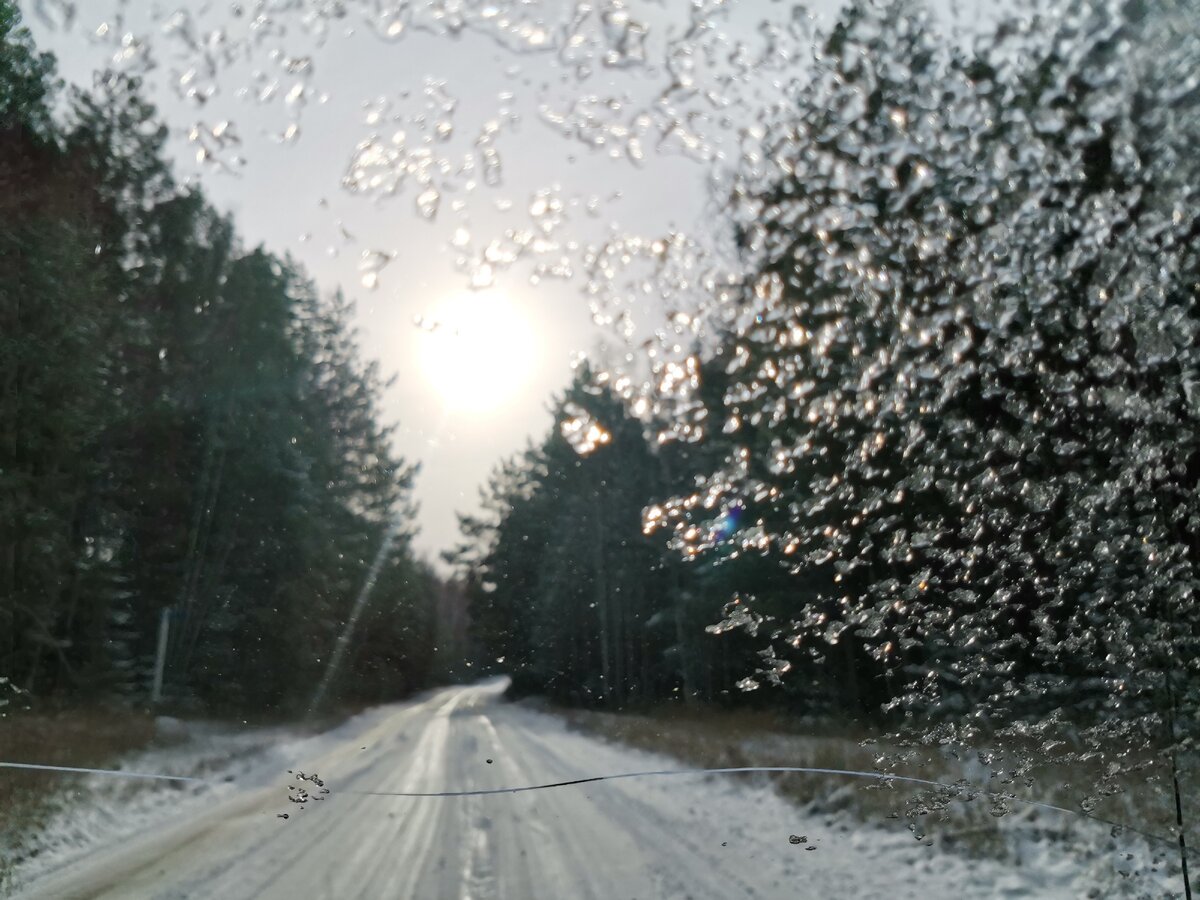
937, 453
186, 424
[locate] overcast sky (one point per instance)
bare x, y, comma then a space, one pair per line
306, 93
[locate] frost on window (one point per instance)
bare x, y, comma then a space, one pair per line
959, 370
906, 415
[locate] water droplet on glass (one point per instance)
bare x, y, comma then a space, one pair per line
427, 202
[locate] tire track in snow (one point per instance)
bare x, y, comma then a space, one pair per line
627, 838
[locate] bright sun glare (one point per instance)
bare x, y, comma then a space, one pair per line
477, 351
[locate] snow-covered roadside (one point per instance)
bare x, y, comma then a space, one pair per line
1034, 852
697, 836
96, 811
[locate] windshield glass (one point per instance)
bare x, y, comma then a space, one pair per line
611, 448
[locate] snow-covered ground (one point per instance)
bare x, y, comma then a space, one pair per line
100, 811
688, 836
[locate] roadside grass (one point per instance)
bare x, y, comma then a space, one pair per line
89, 737
101, 737
983, 815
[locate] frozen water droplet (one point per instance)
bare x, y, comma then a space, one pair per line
482, 277
427, 202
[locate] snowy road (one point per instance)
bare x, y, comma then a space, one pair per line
692, 836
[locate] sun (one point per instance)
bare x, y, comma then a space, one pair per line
477, 351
